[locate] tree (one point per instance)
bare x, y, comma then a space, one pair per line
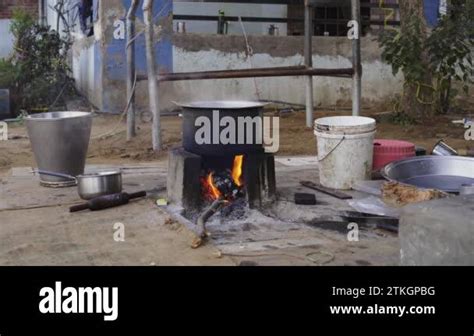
417, 90
431, 59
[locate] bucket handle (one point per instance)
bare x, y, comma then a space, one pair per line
332, 150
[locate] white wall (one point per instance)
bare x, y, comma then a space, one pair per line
379, 84
231, 9
73, 18
6, 40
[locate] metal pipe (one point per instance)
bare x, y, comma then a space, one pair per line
216, 73
356, 61
130, 51
263, 72
308, 60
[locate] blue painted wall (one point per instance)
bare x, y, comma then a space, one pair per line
114, 57
431, 12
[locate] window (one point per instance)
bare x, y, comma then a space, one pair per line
86, 16
329, 19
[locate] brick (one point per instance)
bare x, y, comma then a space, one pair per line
8, 6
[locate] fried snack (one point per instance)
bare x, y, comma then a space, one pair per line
398, 194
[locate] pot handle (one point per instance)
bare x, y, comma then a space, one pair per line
66, 176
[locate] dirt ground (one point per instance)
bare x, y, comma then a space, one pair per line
295, 138
108, 146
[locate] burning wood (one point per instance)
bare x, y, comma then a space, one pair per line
221, 188
226, 185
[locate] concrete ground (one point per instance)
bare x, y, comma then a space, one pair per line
37, 229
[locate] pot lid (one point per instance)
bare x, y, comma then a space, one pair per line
222, 104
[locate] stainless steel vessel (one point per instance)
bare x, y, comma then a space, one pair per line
443, 149
446, 173
246, 114
60, 141
90, 186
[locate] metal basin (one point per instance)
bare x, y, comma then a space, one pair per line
446, 173
60, 141
194, 112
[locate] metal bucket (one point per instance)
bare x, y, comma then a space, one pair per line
60, 141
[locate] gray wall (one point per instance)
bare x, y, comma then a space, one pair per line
199, 52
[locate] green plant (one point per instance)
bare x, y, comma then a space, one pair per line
38, 73
450, 47
432, 61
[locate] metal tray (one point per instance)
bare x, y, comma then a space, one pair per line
446, 173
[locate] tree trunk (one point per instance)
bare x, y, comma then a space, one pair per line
152, 80
417, 97
131, 78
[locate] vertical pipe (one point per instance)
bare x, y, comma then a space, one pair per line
356, 61
131, 124
152, 79
41, 12
308, 59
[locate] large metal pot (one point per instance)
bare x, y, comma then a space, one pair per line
446, 173
220, 111
90, 186
60, 141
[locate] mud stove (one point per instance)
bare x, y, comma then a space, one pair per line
222, 161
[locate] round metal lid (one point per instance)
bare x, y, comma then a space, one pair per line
222, 104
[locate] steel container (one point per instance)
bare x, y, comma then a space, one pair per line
443, 149
94, 185
90, 186
60, 141
446, 173
247, 117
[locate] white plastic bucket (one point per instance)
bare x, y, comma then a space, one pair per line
345, 150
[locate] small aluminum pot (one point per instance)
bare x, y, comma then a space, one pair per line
94, 185
90, 186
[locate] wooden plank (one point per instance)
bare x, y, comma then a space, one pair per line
327, 191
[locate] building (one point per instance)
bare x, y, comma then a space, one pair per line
98, 52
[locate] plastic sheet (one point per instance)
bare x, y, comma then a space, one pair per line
374, 206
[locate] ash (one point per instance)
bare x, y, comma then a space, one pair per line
237, 223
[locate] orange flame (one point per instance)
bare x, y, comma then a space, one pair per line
237, 170
210, 189
215, 193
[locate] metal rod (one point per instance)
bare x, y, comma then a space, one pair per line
249, 73
356, 61
308, 60
130, 47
